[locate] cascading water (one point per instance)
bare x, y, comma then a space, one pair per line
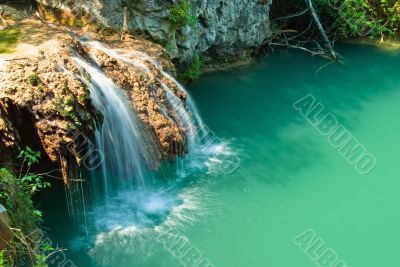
126, 197
118, 139
201, 146
190, 118
120, 187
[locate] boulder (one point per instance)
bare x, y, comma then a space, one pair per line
5, 232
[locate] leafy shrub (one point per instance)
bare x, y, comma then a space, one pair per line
326, 9
181, 14
354, 18
369, 18
16, 194
194, 70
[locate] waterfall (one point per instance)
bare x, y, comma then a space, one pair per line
189, 117
118, 138
199, 146
124, 190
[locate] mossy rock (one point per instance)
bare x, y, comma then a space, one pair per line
9, 39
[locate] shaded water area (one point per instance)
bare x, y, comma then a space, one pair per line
290, 178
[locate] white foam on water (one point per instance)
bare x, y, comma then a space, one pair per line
134, 208
141, 243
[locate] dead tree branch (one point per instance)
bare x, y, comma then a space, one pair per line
293, 15
321, 29
313, 39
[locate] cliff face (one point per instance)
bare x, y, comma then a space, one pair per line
226, 29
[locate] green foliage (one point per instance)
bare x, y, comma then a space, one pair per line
8, 39
16, 197
69, 101
16, 193
36, 184
32, 181
67, 106
359, 18
368, 17
84, 97
29, 156
87, 77
41, 258
194, 70
2, 259
68, 111
326, 9
34, 79
181, 14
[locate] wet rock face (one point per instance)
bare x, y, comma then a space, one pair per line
227, 29
147, 97
54, 99
50, 91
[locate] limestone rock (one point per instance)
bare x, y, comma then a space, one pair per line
224, 29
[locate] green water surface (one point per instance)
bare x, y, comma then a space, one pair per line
290, 179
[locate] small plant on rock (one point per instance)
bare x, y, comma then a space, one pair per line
181, 14
34, 79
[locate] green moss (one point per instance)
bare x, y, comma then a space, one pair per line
88, 78
79, 23
65, 87
84, 99
106, 30
9, 39
69, 101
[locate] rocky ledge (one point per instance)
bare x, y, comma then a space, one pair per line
219, 30
43, 98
